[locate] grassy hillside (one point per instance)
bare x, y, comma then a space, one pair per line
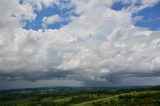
81, 97
144, 98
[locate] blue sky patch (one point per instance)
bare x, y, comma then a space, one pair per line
64, 14
120, 5
150, 17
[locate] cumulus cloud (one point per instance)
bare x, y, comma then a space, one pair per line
101, 44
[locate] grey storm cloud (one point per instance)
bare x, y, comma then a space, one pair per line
100, 45
33, 76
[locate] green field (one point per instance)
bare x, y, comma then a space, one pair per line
66, 96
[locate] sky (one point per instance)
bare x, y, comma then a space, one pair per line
79, 43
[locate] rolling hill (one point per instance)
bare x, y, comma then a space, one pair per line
68, 96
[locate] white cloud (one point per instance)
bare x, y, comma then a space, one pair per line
87, 5
99, 44
40, 4
13, 13
50, 20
